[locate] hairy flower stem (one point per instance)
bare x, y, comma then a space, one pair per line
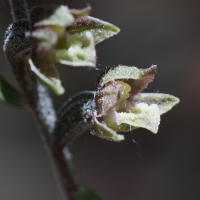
46, 116
72, 121
38, 99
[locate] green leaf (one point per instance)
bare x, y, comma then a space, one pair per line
100, 30
47, 74
84, 193
10, 95
141, 115
80, 51
165, 102
101, 130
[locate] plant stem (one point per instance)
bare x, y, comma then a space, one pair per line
19, 9
63, 167
46, 117
44, 112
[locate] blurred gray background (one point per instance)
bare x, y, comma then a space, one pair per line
161, 32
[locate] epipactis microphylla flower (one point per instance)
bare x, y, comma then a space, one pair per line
122, 107
65, 36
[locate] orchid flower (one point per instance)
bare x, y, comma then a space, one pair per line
121, 106
65, 36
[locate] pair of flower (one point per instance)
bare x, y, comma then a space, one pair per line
68, 36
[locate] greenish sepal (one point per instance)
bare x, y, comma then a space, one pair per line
51, 81
52, 15
84, 193
165, 102
100, 29
101, 130
11, 95
119, 73
138, 79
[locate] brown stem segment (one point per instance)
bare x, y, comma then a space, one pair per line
63, 166
19, 9
16, 47
46, 117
